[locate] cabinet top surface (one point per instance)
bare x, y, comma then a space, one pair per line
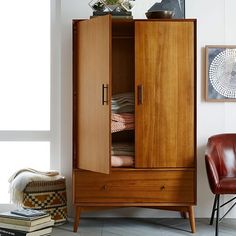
136, 20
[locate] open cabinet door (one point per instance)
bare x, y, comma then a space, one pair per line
92, 77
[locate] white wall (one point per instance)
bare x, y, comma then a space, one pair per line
215, 27
215, 20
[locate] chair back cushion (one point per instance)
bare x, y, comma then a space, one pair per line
220, 158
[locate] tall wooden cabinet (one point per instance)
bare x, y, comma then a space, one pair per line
155, 59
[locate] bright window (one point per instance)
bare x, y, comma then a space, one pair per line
25, 84
17, 155
25, 65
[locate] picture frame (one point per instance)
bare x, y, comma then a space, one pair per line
221, 73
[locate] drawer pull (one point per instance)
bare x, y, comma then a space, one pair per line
162, 188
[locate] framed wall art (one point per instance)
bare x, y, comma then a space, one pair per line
221, 73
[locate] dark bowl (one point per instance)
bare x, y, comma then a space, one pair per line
159, 14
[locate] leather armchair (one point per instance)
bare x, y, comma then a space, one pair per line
220, 159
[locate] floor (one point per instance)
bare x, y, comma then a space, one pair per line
144, 227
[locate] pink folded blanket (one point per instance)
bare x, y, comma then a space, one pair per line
122, 121
118, 126
123, 117
122, 161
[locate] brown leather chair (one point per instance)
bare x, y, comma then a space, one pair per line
220, 158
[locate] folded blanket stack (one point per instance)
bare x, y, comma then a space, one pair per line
122, 121
122, 118
122, 155
122, 103
122, 112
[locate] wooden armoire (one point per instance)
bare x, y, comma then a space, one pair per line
156, 60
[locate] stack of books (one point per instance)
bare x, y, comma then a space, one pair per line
25, 222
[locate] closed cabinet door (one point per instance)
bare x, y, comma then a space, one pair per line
92, 75
165, 93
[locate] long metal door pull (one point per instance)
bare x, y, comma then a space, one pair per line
140, 94
104, 94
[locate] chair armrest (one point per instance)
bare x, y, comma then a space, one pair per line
212, 173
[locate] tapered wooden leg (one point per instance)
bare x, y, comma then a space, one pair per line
192, 219
183, 214
77, 218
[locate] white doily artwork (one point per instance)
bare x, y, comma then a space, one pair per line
222, 72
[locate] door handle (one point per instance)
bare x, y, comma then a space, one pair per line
104, 94
140, 94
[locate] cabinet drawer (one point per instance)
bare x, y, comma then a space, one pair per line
137, 186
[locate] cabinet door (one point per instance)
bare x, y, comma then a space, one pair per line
92, 74
164, 70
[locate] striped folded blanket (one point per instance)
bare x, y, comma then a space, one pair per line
122, 102
122, 149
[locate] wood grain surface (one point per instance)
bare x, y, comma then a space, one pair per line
164, 66
158, 186
94, 71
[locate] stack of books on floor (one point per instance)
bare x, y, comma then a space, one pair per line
25, 222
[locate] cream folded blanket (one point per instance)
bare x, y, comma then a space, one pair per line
21, 178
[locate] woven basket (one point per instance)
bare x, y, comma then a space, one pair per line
49, 196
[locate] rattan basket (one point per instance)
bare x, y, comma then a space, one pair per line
49, 196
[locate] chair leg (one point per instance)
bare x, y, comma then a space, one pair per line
213, 210
217, 215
